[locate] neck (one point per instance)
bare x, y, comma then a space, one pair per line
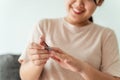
78, 23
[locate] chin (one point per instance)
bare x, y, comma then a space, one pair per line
77, 20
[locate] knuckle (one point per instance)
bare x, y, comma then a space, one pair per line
37, 62
31, 59
38, 56
31, 45
36, 51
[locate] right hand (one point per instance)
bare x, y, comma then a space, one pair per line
37, 54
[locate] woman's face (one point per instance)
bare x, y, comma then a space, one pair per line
79, 10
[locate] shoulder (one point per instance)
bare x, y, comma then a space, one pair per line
48, 21
106, 32
48, 24
103, 29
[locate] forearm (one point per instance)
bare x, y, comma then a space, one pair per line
90, 73
29, 71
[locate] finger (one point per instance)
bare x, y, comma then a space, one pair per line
39, 62
34, 45
56, 59
37, 51
42, 39
44, 56
40, 57
43, 43
58, 50
56, 56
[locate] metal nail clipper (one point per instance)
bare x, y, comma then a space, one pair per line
46, 46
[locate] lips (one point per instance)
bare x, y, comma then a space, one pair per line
78, 11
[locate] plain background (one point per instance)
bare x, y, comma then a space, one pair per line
17, 18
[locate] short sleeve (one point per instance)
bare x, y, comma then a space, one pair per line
110, 54
34, 37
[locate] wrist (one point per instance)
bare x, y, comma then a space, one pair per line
36, 66
87, 72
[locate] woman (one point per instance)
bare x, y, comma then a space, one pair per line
79, 49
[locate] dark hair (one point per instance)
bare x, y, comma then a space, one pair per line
91, 19
96, 2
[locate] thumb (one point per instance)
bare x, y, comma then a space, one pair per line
42, 39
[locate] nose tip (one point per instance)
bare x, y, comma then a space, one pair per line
79, 3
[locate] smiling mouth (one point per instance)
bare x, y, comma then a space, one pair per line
78, 12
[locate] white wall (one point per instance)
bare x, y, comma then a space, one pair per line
18, 16
109, 15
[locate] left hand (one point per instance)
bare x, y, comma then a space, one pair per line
65, 60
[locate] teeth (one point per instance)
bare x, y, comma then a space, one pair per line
76, 10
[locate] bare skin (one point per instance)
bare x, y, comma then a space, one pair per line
37, 58
78, 13
87, 71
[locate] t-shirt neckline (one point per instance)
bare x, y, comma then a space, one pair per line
74, 28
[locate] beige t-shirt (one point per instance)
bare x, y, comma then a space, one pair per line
94, 44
